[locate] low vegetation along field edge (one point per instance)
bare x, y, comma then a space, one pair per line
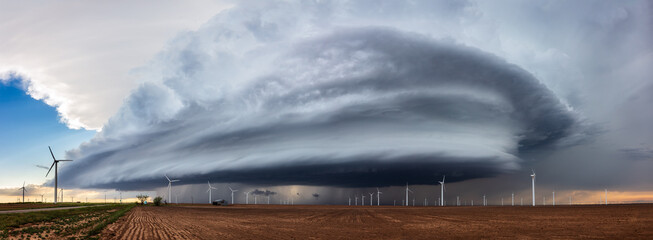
82, 223
111, 219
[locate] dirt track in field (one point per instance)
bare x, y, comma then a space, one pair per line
342, 222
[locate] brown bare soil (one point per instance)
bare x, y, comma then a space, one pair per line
343, 222
20, 206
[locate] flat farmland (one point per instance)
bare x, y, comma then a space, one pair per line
22, 206
357, 222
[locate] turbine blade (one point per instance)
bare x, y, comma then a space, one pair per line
52, 153
167, 177
46, 175
64, 160
41, 166
176, 180
207, 190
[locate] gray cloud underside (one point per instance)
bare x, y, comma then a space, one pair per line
352, 107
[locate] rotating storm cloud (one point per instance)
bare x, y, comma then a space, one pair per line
269, 99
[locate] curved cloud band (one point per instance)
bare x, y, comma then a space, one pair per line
352, 107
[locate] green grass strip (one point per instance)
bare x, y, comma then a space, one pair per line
111, 219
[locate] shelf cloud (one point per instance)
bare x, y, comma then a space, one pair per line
259, 97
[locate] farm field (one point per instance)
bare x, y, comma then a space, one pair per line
32, 205
357, 222
79, 223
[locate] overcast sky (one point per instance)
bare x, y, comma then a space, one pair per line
340, 97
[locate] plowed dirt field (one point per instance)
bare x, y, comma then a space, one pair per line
342, 222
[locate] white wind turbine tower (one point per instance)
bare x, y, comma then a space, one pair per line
606, 196
356, 198
363, 200
442, 191
210, 188
407, 190
554, 198
169, 187
246, 197
378, 197
371, 198
349, 200
513, 199
24, 190
232, 195
55, 164
533, 180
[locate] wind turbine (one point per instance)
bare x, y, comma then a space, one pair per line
371, 198
378, 197
349, 200
210, 188
442, 191
363, 200
533, 180
407, 190
232, 195
247, 197
513, 199
24, 190
356, 202
169, 187
55, 164
554, 198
